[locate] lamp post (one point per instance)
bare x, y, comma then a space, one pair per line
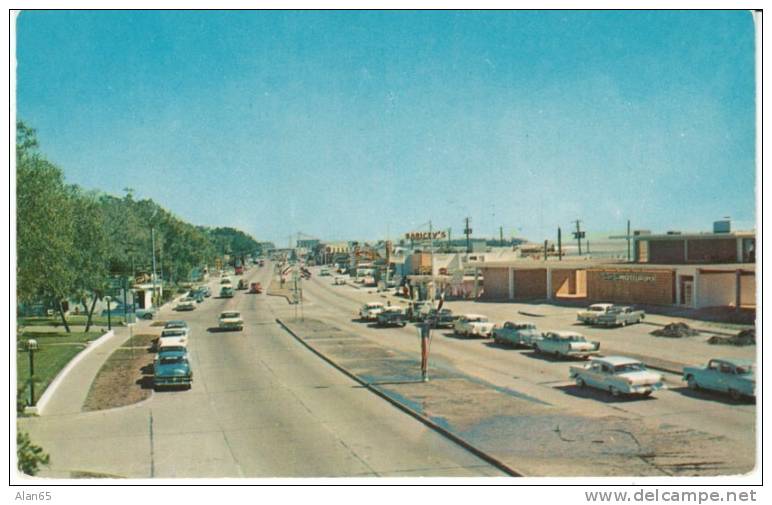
109, 320
32, 346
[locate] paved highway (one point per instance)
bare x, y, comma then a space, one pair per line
261, 405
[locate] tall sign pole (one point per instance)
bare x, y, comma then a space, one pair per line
467, 232
578, 235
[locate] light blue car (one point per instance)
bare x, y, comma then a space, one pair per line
737, 377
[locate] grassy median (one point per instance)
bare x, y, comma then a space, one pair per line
55, 350
126, 377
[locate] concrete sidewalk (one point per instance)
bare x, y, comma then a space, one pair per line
528, 435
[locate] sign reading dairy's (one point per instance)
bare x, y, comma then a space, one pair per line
425, 235
627, 277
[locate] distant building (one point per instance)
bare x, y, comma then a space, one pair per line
695, 248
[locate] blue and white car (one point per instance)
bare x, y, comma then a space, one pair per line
736, 377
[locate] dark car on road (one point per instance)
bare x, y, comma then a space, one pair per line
442, 319
392, 316
172, 368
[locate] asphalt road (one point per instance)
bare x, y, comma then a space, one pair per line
261, 405
701, 416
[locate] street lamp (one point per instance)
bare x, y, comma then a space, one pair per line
32, 346
109, 321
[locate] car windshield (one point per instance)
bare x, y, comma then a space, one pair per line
524, 327
170, 360
173, 333
175, 324
596, 308
229, 315
576, 338
629, 367
745, 369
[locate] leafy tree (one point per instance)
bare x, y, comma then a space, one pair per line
30, 457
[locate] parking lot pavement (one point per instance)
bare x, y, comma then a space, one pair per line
670, 354
527, 433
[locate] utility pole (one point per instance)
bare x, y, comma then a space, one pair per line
450, 246
628, 240
578, 235
431, 252
545, 249
501, 236
560, 246
467, 232
152, 240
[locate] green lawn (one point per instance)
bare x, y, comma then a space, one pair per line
79, 320
55, 351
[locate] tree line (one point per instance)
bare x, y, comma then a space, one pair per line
70, 241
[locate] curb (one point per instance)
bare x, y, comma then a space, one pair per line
40, 405
418, 416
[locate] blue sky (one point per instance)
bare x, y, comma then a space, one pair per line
358, 124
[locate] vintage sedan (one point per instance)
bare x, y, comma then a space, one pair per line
392, 316
618, 375
177, 324
226, 292
242, 284
591, 314
442, 319
231, 320
568, 344
517, 334
186, 304
735, 377
172, 368
338, 280
172, 337
370, 311
473, 325
255, 288
419, 310
620, 316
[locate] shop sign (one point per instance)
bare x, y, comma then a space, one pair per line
425, 235
627, 277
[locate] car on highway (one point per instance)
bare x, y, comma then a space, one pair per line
620, 316
370, 311
473, 325
255, 288
566, 344
324, 272
517, 334
442, 319
230, 320
618, 375
226, 292
172, 337
242, 284
392, 316
591, 314
225, 280
206, 290
186, 304
177, 324
172, 368
338, 280
418, 310
736, 377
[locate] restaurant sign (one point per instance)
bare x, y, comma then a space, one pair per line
425, 235
627, 277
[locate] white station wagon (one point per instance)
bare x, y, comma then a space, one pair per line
473, 325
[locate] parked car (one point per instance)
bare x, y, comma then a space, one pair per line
242, 284
736, 377
255, 288
473, 325
172, 368
225, 280
226, 292
517, 334
618, 375
620, 316
197, 295
392, 316
324, 272
591, 314
370, 311
172, 337
568, 344
186, 304
207, 291
417, 311
239, 270
231, 320
338, 280
442, 319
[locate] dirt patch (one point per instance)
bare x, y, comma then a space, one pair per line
158, 323
675, 330
124, 379
143, 340
278, 289
745, 337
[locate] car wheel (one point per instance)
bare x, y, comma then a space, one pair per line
624, 323
734, 394
580, 382
647, 393
692, 383
614, 392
